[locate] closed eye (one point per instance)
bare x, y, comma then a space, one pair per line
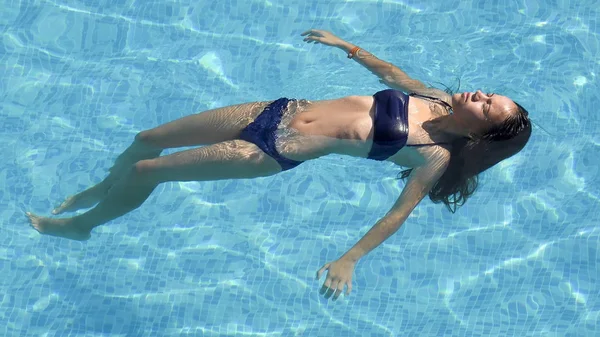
489, 103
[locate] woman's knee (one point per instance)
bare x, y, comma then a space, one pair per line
150, 138
146, 170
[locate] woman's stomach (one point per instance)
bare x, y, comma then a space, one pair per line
310, 130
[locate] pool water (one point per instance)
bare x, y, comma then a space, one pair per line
228, 258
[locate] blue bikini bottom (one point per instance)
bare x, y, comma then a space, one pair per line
262, 132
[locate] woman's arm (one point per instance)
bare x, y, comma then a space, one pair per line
390, 75
420, 181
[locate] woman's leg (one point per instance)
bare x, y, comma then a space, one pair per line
228, 160
205, 128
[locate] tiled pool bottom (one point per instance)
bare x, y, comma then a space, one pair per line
239, 257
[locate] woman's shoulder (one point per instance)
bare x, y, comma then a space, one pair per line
432, 155
436, 158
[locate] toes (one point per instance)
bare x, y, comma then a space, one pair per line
34, 221
85, 199
57, 209
67, 203
60, 208
32, 217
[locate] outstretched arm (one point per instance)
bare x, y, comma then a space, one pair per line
389, 74
420, 181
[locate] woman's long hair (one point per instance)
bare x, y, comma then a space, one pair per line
469, 157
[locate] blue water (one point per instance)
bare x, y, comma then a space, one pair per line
78, 79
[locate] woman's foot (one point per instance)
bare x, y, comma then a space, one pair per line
85, 199
64, 228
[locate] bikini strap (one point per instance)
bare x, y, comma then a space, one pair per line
427, 144
437, 99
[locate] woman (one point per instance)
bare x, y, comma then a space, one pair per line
444, 151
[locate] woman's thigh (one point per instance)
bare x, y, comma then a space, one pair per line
235, 159
204, 128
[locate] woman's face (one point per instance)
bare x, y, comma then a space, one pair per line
478, 112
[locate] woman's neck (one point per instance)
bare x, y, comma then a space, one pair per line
446, 127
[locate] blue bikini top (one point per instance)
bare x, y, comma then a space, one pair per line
391, 123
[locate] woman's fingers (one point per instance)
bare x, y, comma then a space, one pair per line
339, 290
335, 281
312, 31
311, 39
313, 35
333, 289
326, 286
322, 270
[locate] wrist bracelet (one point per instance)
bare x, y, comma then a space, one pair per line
353, 52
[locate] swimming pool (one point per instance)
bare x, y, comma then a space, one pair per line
81, 78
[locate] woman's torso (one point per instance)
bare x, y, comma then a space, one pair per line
345, 126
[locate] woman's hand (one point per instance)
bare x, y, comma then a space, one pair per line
324, 37
339, 274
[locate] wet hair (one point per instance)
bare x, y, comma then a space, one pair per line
469, 157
